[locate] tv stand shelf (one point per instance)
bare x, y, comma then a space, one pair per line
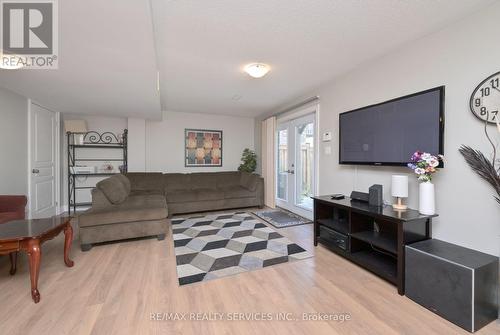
382, 265
371, 237
380, 240
341, 227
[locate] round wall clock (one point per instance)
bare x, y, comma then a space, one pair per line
485, 100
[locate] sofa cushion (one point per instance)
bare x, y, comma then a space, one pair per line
177, 182
146, 192
146, 180
125, 181
9, 216
114, 190
135, 208
249, 180
231, 192
194, 195
13, 203
203, 181
225, 179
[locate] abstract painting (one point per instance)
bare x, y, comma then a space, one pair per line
203, 147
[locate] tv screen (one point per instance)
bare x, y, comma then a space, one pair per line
389, 133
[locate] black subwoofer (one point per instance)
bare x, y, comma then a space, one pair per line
459, 284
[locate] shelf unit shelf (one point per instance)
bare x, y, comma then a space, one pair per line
82, 204
94, 174
98, 160
94, 146
92, 140
371, 237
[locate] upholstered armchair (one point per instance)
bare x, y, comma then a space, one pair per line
12, 207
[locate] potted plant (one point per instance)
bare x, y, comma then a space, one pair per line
424, 165
249, 161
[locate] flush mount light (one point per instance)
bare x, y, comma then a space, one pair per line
10, 62
257, 70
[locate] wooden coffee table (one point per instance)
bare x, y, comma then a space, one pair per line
28, 235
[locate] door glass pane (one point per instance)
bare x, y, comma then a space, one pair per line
282, 164
304, 171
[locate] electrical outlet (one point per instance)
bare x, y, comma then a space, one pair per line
327, 136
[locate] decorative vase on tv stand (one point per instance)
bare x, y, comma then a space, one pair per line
426, 198
424, 165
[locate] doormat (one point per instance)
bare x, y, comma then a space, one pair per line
282, 219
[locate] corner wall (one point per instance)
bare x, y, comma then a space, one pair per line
459, 57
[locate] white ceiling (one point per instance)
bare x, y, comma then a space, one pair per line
202, 45
108, 63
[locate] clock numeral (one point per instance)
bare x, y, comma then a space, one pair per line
485, 92
483, 111
495, 83
477, 102
494, 115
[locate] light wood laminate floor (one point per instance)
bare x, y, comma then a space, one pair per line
114, 288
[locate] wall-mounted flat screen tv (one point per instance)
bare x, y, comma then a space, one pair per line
388, 133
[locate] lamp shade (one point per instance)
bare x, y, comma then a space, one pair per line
75, 126
399, 186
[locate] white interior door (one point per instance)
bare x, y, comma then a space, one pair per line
43, 169
295, 165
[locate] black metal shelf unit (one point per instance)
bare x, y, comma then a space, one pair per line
92, 140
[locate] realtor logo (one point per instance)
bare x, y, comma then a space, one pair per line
29, 34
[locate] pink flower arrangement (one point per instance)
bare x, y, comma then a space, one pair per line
424, 165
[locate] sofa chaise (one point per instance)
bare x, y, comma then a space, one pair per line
138, 204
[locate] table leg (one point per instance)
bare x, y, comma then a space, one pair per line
35, 255
13, 262
68, 239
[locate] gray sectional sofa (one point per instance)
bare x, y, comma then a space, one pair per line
138, 204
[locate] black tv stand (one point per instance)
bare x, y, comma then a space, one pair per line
372, 237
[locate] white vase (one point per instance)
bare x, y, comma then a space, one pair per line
426, 201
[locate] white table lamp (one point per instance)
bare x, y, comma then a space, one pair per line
399, 189
78, 127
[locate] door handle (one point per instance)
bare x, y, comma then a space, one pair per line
290, 171
35, 171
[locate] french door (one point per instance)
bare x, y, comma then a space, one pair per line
295, 168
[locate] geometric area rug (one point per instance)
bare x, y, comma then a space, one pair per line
219, 245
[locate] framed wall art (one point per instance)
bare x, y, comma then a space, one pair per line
203, 147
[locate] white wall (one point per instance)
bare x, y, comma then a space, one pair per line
165, 140
460, 57
13, 143
136, 145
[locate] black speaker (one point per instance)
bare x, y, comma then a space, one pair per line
459, 284
375, 195
359, 196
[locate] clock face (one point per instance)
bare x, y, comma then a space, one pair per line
485, 100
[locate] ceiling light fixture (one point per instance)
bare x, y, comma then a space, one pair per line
10, 62
257, 70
